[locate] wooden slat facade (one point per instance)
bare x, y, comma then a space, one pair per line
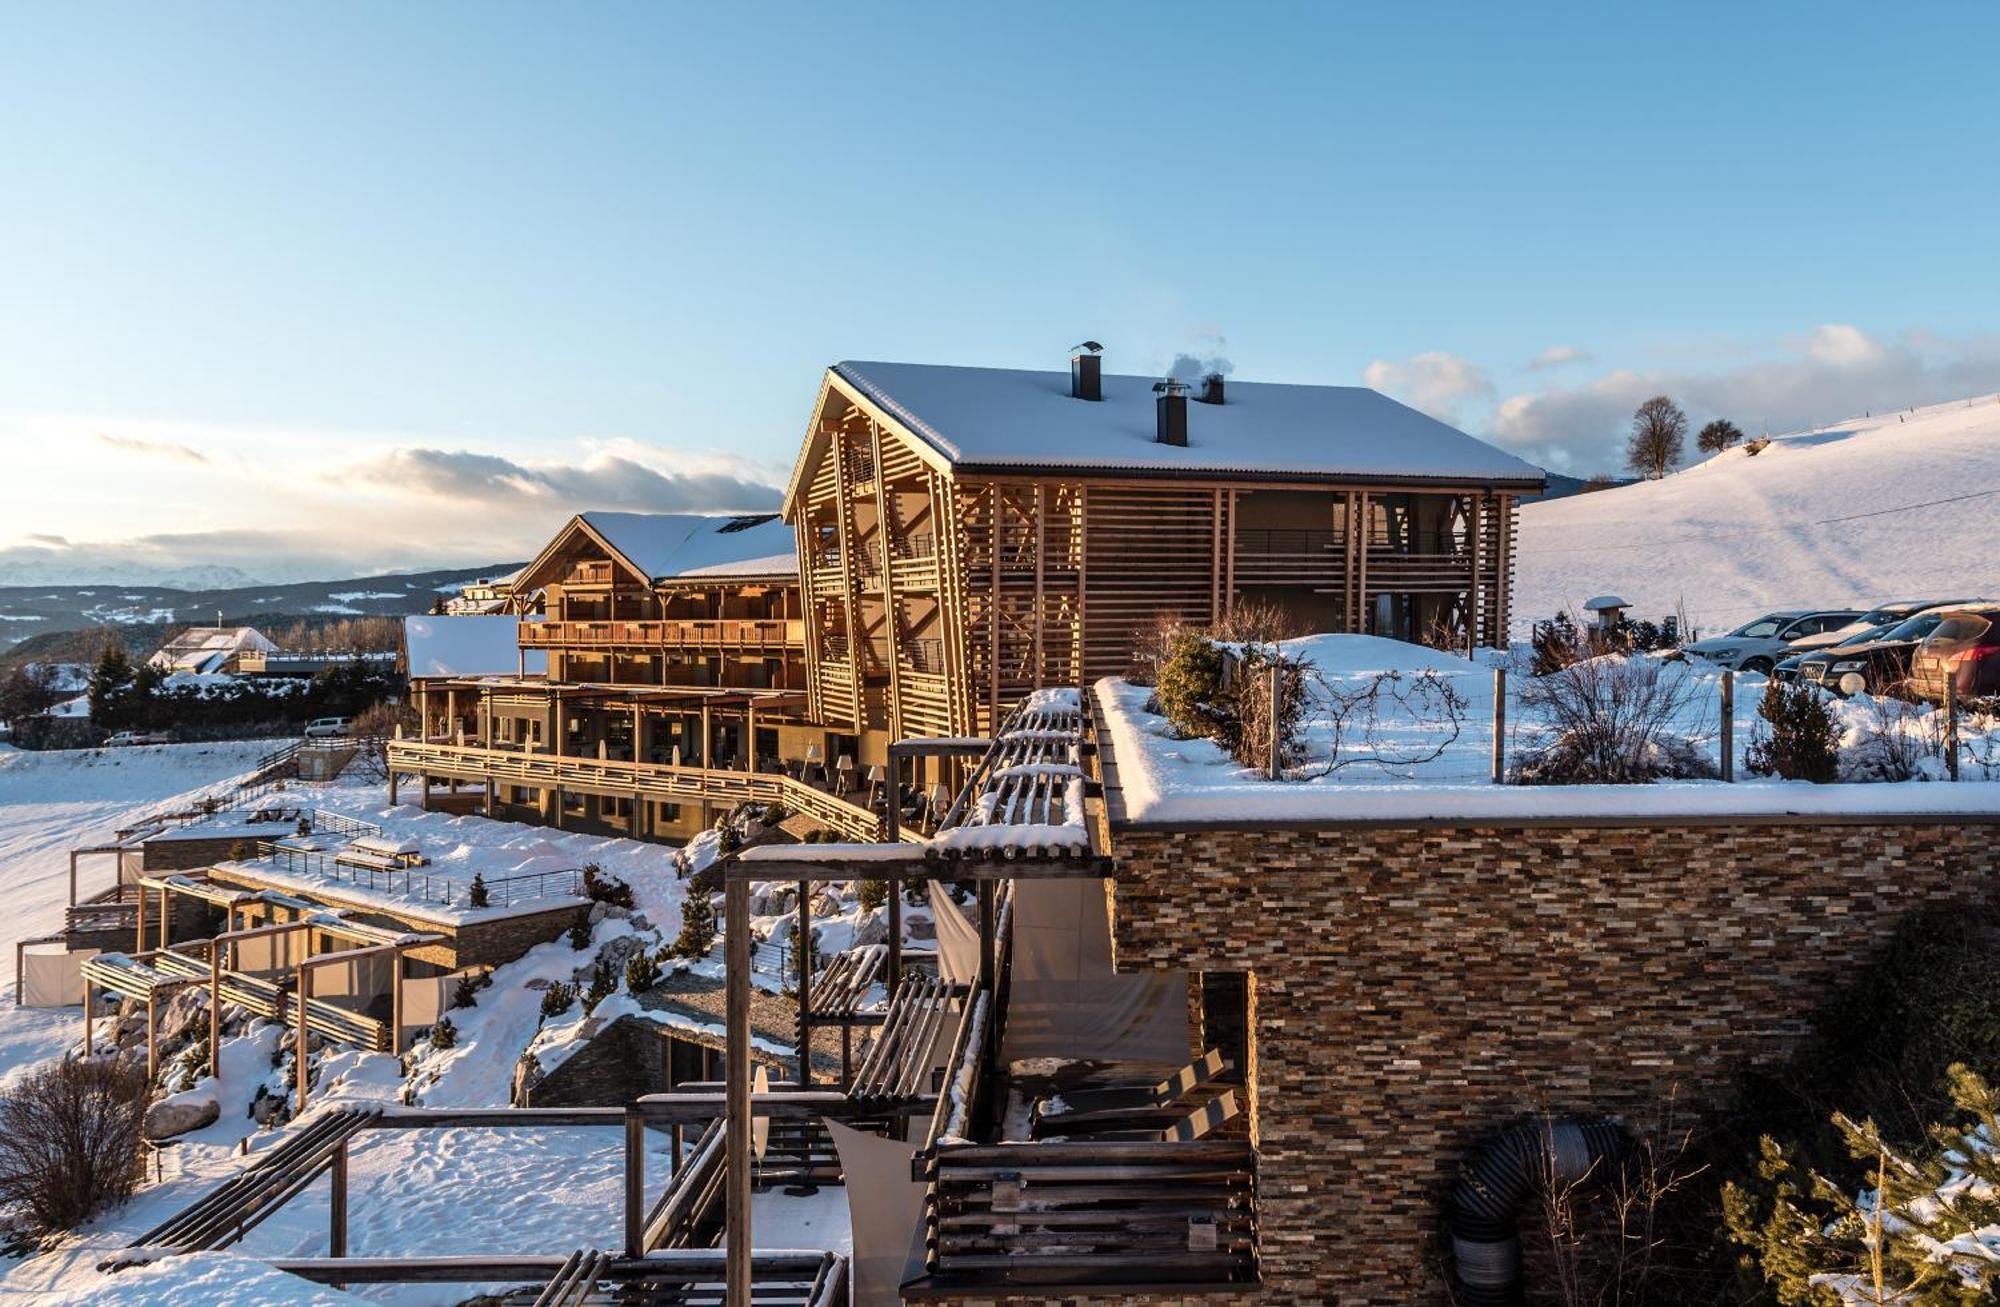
937, 595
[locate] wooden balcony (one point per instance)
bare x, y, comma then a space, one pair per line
719, 787
746, 634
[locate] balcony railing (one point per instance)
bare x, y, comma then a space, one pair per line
686, 633
419, 881
660, 781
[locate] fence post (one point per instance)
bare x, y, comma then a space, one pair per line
1951, 720
1728, 724
1500, 726
1271, 768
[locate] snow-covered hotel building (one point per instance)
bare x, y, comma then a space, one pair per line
952, 539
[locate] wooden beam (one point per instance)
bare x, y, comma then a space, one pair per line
736, 972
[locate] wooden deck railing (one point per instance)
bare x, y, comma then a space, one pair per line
1099, 1214
723, 633
661, 781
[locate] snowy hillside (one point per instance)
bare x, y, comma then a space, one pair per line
1898, 505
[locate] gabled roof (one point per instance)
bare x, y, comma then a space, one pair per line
666, 546
678, 546
1006, 419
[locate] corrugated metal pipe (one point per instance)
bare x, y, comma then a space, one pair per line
1498, 1184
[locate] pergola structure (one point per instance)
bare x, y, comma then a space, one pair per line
1020, 814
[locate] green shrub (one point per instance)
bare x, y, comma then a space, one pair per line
602, 986
475, 893
444, 1034
600, 887
557, 999
465, 992
697, 935
1190, 693
579, 934
641, 973
1796, 736
871, 894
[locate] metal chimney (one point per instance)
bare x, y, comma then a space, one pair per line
1170, 411
1211, 389
1086, 371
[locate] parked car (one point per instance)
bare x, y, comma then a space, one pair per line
1757, 646
1871, 663
125, 738
1964, 649
1880, 617
1792, 666
320, 728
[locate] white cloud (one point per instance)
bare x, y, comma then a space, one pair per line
1833, 372
1558, 356
1437, 383
87, 492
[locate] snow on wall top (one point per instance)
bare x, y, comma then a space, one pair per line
467, 646
1897, 505
667, 545
1007, 417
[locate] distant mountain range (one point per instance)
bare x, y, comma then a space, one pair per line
33, 611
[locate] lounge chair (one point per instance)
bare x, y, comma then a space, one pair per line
1082, 1104
1187, 1129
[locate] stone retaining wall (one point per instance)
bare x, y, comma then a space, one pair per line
1415, 988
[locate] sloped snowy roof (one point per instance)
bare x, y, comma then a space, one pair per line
669, 545
999, 417
467, 646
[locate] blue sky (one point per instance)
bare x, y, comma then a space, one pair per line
273, 271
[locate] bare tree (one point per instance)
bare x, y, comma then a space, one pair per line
1659, 436
69, 1139
1615, 719
1718, 436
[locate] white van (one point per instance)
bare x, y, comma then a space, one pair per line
320, 728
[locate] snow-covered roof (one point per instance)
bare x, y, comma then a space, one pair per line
206, 648
1000, 417
468, 646
671, 545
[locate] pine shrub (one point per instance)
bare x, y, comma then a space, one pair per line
475, 893
602, 986
641, 973
557, 999
697, 935
579, 934
1190, 693
1796, 737
600, 887
444, 1034
466, 992
871, 894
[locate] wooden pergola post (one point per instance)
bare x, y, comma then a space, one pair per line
89, 1019
736, 1084
635, 1183
152, 1035
336, 1235
805, 984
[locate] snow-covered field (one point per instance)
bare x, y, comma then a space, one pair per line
1897, 505
413, 1192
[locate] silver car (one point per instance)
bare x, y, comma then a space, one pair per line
1757, 646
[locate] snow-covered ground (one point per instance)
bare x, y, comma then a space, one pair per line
1401, 772
1897, 505
52, 801
412, 1193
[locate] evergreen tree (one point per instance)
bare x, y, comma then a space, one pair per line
1889, 1235
110, 686
697, 935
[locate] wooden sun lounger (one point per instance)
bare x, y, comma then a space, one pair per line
1186, 1130
1083, 1104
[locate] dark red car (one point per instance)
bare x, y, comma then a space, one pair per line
1965, 648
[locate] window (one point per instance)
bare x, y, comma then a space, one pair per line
1761, 629
1955, 630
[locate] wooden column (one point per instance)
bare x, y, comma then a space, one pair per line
635, 1183
805, 984
89, 994
396, 970
336, 1235
217, 951
303, 992
736, 1082
152, 1035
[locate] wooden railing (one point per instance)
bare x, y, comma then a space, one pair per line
1099, 1214
659, 781
721, 633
